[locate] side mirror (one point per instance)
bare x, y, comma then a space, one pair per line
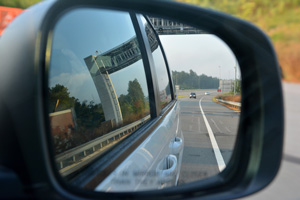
129, 117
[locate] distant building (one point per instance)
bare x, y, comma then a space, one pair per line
226, 85
177, 87
63, 122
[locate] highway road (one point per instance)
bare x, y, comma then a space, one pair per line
209, 135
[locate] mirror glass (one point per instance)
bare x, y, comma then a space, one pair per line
204, 73
113, 74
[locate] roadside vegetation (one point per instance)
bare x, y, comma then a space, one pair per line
278, 18
18, 3
192, 80
229, 96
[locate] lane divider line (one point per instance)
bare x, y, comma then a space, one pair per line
217, 152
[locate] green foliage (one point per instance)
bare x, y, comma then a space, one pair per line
18, 3
136, 96
193, 81
238, 88
134, 105
278, 18
267, 14
89, 115
60, 98
89, 119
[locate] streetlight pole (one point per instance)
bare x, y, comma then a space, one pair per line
199, 82
235, 77
220, 81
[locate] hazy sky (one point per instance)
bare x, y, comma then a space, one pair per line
203, 53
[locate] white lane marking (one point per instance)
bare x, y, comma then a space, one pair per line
218, 155
228, 129
215, 125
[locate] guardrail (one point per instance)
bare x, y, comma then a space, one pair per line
232, 103
73, 159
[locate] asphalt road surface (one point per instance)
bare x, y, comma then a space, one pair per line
287, 183
209, 131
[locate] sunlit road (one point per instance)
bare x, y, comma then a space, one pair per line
199, 158
286, 184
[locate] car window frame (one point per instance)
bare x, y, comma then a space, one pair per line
165, 109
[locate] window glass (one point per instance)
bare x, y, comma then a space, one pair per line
97, 85
160, 66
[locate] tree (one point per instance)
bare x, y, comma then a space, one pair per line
136, 96
59, 98
18, 3
192, 81
88, 114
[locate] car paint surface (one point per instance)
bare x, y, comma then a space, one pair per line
143, 169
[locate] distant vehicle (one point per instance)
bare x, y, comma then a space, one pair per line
193, 95
207, 93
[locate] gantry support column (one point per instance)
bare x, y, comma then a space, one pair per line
105, 89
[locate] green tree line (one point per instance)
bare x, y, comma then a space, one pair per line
18, 3
256, 11
193, 81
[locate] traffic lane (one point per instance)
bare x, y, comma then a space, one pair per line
199, 92
198, 161
224, 124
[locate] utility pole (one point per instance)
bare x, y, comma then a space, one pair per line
235, 78
199, 82
220, 81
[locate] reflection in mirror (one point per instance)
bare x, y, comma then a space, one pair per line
207, 80
97, 86
159, 63
100, 95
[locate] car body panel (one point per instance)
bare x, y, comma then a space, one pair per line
142, 169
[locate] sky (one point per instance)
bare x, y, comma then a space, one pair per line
203, 53
80, 34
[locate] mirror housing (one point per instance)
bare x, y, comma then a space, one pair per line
257, 155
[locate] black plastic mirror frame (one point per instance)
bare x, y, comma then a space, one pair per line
257, 156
